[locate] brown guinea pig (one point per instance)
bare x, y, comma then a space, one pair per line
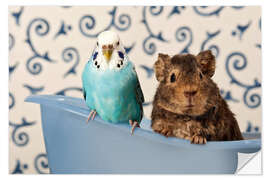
188, 104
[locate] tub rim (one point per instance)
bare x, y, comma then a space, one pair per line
67, 103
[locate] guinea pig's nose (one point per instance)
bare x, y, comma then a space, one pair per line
190, 93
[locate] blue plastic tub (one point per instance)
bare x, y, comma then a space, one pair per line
99, 147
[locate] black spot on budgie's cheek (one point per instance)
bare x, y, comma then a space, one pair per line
121, 55
95, 55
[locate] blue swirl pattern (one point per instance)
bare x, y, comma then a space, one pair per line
150, 47
41, 29
71, 54
253, 100
184, 34
88, 22
41, 163
20, 138
213, 48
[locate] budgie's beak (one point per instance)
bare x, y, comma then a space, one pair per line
107, 52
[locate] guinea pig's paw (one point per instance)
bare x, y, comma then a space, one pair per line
197, 139
165, 132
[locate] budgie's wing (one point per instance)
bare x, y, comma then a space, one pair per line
139, 93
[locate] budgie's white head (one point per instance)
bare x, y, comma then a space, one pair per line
110, 50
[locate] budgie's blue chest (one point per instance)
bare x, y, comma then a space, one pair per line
113, 93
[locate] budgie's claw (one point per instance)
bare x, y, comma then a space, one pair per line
91, 115
133, 124
94, 115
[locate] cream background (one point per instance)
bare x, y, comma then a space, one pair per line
51, 77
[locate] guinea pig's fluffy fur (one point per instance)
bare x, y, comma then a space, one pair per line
188, 104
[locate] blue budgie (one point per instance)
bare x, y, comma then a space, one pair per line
110, 83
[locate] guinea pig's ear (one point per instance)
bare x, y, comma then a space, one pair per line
207, 62
160, 65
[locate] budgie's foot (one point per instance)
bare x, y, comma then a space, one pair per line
91, 115
133, 125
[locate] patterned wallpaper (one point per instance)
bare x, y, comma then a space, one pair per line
49, 46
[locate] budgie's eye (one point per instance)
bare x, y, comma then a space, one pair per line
117, 43
97, 43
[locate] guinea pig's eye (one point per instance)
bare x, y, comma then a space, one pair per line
117, 43
173, 78
97, 43
201, 76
